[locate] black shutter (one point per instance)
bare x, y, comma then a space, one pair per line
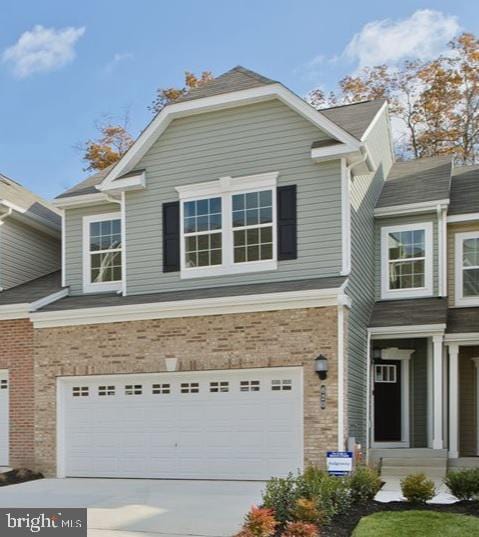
171, 236
287, 226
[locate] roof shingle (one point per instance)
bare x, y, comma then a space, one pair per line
464, 190
34, 290
417, 311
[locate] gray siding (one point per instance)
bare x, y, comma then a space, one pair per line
398, 221
364, 194
26, 254
418, 394
241, 141
73, 242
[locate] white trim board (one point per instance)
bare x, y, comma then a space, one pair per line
406, 331
217, 102
466, 217
23, 310
411, 208
459, 299
315, 298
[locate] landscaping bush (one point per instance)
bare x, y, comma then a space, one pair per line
464, 484
365, 484
417, 488
280, 495
259, 522
306, 510
300, 529
334, 496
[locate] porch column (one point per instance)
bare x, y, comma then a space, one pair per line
437, 440
454, 401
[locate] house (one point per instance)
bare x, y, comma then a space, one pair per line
253, 284
30, 262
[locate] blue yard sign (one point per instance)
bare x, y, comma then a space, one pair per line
339, 463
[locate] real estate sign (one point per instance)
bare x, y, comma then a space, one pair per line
339, 463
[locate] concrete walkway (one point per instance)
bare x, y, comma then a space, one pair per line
391, 491
146, 508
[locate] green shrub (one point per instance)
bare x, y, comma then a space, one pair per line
309, 483
365, 484
280, 495
417, 488
334, 496
464, 484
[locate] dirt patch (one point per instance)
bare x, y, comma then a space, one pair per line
20, 475
343, 525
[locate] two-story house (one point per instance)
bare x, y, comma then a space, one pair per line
30, 261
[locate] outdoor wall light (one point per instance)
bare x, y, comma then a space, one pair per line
321, 366
377, 355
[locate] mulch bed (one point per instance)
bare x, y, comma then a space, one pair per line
21, 475
343, 525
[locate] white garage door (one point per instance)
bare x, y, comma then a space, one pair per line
245, 424
4, 419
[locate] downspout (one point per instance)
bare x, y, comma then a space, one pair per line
368, 396
2, 218
442, 249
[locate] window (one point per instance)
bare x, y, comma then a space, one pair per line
217, 387
407, 260
190, 387
80, 391
202, 232
249, 386
161, 389
106, 390
281, 385
467, 268
228, 226
102, 263
385, 374
133, 389
3, 384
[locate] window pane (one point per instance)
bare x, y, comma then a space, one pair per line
238, 202
203, 242
266, 215
406, 274
203, 259
202, 223
95, 229
267, 251
252, 217
215, 240
215, 205
105, 227
216, 257
190, 225
240, 238
252, 236
189, 209
190, 244
191, 260
238, 218
471, 282
266, 198
202, 207
252, 200
406, 244
240, 255
116, 227
266, 234
253, 253
471, 253
215, 221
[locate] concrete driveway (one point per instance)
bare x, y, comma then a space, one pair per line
139, 507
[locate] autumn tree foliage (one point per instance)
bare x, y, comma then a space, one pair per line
435, 103
165, 96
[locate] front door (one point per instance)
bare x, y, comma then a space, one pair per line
387, 401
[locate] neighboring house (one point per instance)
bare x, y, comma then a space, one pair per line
30, 244
245, 240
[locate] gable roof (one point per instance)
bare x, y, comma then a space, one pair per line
354, 118
86, 186
415, 181
236, 79
464, 190
28, 203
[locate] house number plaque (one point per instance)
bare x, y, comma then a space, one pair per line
322, 397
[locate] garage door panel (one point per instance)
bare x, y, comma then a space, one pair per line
212, 425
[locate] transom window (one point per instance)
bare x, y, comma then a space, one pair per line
467, 268
407, 264
385, 373
102, 252
228, 226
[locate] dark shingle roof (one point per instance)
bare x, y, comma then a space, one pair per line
87, 186
34, 205
415, 311
34, 290
235, 79
113, 299
418, 180
354, 118
462, 320
464, 190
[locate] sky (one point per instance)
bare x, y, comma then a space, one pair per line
66, 66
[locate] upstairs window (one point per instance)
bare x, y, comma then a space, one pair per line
406, 253
467, 269
102, 252
228, 226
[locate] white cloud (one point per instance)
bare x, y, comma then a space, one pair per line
118, 58
41, 50
423, 35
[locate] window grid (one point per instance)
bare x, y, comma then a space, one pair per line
106, 390
282, 385
470, 267
105, 250
133, 389
80, 391
385, 374
3, 384
190, 387
407, 259
249, 386
161, 389
219, 387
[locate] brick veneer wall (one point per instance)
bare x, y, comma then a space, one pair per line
16, 355
266, 339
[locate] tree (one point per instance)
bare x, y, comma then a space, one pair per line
165, 96
113, 142
435, 102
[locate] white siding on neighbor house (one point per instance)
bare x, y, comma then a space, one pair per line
247, 140
26, 253
74, 245
365, 191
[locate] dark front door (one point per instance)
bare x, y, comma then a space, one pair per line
387, 401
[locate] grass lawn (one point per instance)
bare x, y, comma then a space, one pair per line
417, 524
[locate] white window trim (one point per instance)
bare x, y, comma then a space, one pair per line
225, 187
427, 290
97, 287
460, 299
